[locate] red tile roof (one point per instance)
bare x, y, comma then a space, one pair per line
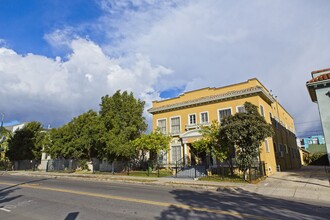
319, 71
322, 77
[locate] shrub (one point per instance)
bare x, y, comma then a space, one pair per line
319, 159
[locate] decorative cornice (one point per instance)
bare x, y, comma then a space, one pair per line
213, 98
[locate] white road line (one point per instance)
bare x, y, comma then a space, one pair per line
6, 210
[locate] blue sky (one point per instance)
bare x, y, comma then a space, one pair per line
23, 24
58, 58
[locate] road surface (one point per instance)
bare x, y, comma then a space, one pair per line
26, 197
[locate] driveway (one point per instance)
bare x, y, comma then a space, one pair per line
307, 183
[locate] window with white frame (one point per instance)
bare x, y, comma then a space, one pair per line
280, 150
204, 118
267, 146
223, 113
175, 153
175, 125
276, 121
280, 147
161, 124
192, 119
162, 158
262, 112
240, 108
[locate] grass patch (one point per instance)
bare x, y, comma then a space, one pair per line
235, 179
60, 171
83, 172
139, 173
256, 181
134, 180
162, 173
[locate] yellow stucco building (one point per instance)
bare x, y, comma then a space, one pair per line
182, 117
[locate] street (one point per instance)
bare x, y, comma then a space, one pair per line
25, 197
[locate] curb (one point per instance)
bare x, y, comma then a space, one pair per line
131, 180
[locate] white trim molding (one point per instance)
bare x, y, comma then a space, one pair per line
216, 98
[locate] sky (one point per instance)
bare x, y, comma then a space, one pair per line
58, 58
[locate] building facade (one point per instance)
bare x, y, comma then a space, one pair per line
182, 117
319, 91
304, 142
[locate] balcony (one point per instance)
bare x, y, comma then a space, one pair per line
191, 126
175, 133
196, 126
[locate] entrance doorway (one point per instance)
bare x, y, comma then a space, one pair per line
198, 158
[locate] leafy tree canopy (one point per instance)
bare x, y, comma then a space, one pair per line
245, 130
122, 115
152, 143
82, 138
210, 143
4, 137
26, 143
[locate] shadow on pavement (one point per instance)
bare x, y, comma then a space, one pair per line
5, 192
19, 184
220, 204
72, 216
4, 196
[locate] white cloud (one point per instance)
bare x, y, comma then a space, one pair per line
61, 39
216, 43
202, 42
53, 91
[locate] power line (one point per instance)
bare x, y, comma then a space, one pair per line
305, 122
319, 130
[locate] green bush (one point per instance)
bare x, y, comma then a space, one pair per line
83, 164
320, 159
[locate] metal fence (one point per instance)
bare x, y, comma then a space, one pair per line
71, 165
19, 165
5, 165
219, 172
61, 165
177, 170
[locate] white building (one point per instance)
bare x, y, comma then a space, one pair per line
319, 91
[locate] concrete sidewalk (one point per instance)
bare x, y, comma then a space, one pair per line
168, 181
307, 183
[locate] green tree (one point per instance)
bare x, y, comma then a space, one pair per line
57, 141
26, 143
4, 137
154, 143
122, 115
210, 144
246, 131
81, 138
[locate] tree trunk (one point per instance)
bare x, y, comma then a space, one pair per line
231, 167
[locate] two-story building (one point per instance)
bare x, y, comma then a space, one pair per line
182, 117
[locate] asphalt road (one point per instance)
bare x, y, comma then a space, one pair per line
25, 197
